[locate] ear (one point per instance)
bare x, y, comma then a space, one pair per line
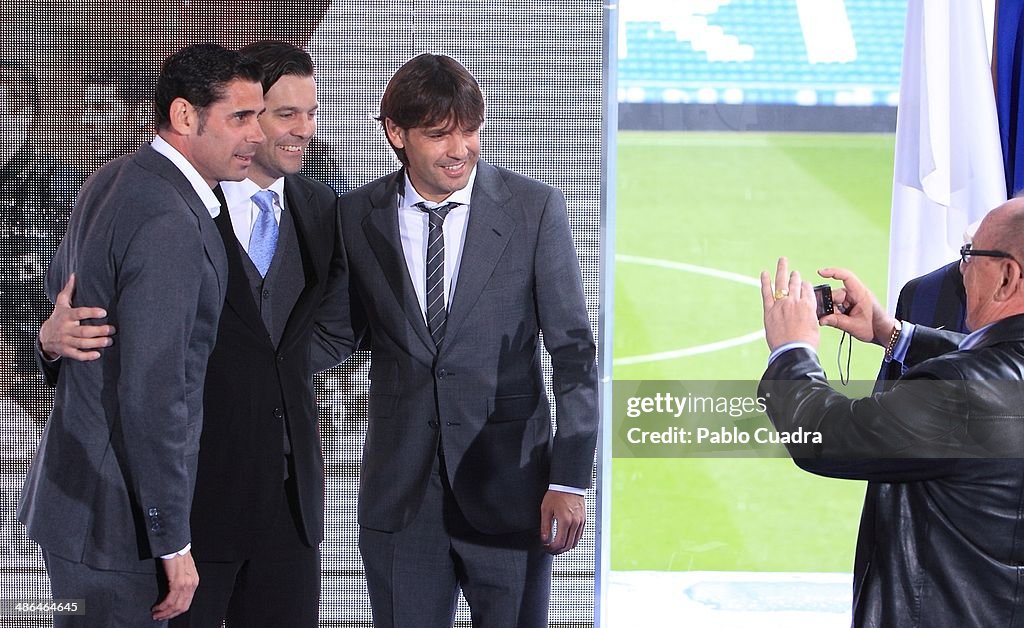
396, 134
1011, 283
184, 118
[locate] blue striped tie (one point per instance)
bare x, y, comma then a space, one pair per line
263, 240
437, 313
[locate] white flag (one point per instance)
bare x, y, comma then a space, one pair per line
948, 168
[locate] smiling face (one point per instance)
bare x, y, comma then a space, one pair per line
289, 122
438, 159
224, 137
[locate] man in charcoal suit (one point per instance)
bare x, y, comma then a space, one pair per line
456, 267
109, 493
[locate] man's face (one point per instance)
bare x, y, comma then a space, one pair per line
105, 121
440, 159
16, 117
222, 149
289, 123
983, 275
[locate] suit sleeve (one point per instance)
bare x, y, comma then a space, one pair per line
872, 438
333, 333
158, 289
562, 312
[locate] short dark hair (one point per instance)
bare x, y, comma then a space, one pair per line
278, 59
430, 90
132, 85
199, 74
22, 77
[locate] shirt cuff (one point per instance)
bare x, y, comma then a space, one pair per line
567, 489
899, 350
181, 552
779, 350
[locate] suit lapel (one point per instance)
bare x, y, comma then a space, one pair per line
381, 229
488, 233
148, 158
300, 204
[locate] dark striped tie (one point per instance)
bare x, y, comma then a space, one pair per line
437, 312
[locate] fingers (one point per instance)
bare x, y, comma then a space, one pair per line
563, 516
182, 581
767, 292
781, 273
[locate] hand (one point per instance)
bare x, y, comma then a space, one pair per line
562, 519
790, 318
857, 310
182, 580
63, 334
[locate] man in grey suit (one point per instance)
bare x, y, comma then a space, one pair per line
109, 492
456, 266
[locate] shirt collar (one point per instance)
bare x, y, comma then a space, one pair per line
974, 338
240, 192
410, 197
199, 184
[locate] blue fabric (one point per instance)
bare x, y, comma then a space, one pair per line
263, 239
1009, 58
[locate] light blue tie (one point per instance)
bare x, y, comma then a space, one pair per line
263, 240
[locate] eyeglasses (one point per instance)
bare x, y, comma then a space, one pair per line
966, 252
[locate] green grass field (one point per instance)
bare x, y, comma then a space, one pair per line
735, 202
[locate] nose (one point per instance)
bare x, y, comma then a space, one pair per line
306, 127
256, 135
457, 145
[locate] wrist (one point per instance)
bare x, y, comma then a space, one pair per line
894, 336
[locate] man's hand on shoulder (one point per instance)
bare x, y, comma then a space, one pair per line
562, 519
182, 581
64, 336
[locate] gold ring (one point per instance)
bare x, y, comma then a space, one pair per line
781, 293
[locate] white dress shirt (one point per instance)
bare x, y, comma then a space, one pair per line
413, 227
199, 184
243, 210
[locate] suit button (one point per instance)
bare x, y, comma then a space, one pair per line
432, 424
280, 358
153, 512
278, 413
266, 294
442, 374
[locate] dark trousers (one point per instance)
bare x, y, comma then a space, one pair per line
414, 575
110, 598
277, 585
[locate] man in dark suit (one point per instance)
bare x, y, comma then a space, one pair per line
941, 543
456, 266
936, 300
257, 516
109, 493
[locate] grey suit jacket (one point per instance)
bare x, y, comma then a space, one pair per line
111, 484
483, 392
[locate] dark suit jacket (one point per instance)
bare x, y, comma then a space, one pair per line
254, 388
111, 484
482, 393
936, 300
941, 540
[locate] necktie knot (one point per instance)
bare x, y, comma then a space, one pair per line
439, 212
264, 199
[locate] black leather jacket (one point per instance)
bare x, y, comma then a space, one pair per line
941, 539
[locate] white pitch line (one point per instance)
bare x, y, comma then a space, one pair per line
697, 350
